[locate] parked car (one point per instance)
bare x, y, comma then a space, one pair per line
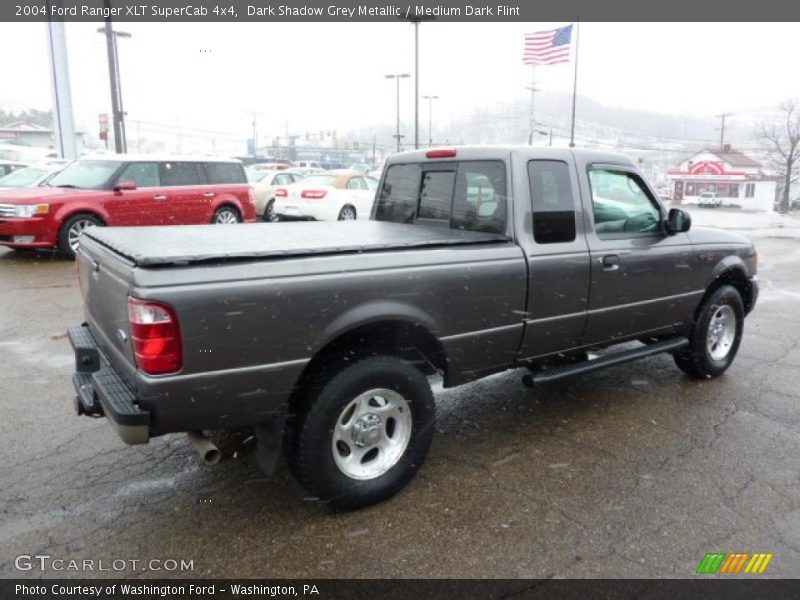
709, 200
344, 197
124, 190
31, 176
306, 164
321, 337
264, 185
8, 166
269, 166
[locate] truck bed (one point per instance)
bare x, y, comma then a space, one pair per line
189, 244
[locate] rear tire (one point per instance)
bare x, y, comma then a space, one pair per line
269, 212
226, 215
716, 335
348, 213
71, 230
361, 436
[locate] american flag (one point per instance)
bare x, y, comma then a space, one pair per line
548, 47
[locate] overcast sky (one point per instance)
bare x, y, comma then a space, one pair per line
315, 75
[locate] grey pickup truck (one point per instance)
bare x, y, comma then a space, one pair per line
320, 338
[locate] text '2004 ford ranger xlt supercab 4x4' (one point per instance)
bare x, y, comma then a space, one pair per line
321, 336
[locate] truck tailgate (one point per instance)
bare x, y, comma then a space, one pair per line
105, 280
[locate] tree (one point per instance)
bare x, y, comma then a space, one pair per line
782, 139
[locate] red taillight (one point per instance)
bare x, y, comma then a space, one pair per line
441, 153
281, 193
313, 194
155, 335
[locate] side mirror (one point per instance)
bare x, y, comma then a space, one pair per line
678, 221
125, 186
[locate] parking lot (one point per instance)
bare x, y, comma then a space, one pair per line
635, 471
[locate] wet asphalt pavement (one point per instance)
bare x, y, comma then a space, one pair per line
635, 471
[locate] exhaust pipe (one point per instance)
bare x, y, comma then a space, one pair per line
205, 448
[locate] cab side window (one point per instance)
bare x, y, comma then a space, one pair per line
621, 204
553, 201
144, 174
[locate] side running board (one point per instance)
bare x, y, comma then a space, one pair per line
607, 360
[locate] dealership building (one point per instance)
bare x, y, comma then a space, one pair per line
735, 178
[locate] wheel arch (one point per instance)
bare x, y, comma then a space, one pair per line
731, 271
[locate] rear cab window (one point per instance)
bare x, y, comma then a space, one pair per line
469, 195
553, 201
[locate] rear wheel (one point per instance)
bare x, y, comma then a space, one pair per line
269, 212
70, 232
226, 215
348, 213
716, 335
361, 436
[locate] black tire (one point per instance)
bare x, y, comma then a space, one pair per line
67, 242
269, 212
698, 361
347, 210
229, 211
311, 455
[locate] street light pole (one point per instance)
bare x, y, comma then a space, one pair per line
430, 100
398, 77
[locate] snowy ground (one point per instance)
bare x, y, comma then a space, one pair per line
749, 223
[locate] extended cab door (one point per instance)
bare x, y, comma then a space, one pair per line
552, 236
641, 277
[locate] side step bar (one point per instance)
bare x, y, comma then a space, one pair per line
609, 360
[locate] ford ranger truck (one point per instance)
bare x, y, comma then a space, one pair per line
321, 337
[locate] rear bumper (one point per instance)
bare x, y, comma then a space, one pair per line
101, 391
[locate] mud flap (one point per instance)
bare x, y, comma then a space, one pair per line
269, 437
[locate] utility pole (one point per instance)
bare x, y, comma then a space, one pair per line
120, 142
723, 116
430, 100
416, 20
398, 77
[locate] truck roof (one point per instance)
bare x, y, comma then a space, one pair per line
488, 152
187, 244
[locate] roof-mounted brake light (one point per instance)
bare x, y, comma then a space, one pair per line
441, 153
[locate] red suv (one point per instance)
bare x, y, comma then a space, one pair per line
124, 190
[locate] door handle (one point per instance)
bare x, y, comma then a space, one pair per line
160, 197
208, 194
610, 262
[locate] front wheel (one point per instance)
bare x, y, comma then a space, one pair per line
70, 233
363, 435
226, 215
716, 335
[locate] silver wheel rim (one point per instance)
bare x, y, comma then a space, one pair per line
347, 214
271, 210
226, 217
721, 333
371, 434
74, 233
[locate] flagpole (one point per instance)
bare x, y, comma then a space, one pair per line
533, 94
574, 86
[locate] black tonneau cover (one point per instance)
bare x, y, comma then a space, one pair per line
186, 244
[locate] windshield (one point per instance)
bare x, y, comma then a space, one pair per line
21, 178
86, 174
255, 176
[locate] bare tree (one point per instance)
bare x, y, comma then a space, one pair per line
782, 139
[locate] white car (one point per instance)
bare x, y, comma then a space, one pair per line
264, 185
709, 199
31, 176
342, 197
